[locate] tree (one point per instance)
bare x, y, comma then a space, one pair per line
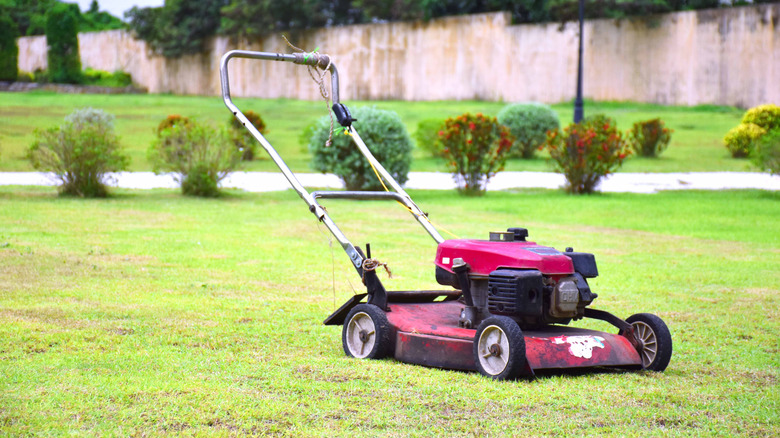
28, 15
179, 27
63, 43
9, 51
94, 20
249, 18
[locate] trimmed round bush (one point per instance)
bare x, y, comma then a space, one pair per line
741, 139
427, 135
80, 153
386, 138
198, 155
766, 154
764, 116
528, 123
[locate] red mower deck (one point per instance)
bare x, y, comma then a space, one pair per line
428, 334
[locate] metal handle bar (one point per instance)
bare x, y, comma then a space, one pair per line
323, 62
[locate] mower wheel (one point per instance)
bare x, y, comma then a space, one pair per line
499, 348
655, 340
366, 333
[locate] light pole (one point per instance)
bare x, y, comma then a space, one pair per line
578, 101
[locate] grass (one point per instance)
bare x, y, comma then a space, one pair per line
697, 141
151, 314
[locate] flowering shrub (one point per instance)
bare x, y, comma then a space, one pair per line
765, 116
586, 152
171, 121
198, 155
475, 147
649, 138
740, 141
757, 121
80, 153
241, 136
528, 123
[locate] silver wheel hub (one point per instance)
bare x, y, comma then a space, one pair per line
648, 342
493, 350
361, 335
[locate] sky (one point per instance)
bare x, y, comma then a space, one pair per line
117, 8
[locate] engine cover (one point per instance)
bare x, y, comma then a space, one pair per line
515, 293
485, 256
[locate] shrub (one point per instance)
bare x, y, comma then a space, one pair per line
427, 136
9, 51
80, 152
764, 116
475, 147
741, 140
528, 123
242, 138
62, 24
386, 138
171, 121
586, 152
106, 79
25, 77
767, 152
198, 155
649, 138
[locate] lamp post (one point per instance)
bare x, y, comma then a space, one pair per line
578, 101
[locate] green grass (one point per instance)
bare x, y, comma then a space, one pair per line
696, 143
150, 314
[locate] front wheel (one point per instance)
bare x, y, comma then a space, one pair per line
499, 348
366, 333
655, 341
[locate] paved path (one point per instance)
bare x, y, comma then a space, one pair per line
274, 181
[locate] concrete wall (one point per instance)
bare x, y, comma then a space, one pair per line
727, 56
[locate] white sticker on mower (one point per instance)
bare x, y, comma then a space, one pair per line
580, 346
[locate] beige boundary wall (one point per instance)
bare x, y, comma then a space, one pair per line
726, 56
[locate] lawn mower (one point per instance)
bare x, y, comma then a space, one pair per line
507, 312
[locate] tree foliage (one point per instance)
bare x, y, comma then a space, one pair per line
29, 16
63, 43
179, 27
9, 51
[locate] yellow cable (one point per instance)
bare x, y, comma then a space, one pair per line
404, 206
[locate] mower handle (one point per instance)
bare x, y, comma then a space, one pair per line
323, 62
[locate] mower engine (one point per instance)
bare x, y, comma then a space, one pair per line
507, 275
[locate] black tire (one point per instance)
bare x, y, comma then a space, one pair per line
366, 333
652, 333
499, 348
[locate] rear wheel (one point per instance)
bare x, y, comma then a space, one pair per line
499, 348
366, 333
655, 340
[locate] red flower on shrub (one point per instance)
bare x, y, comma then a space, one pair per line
649, 138
586, 152
476, 147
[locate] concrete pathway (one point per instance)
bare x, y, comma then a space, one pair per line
274, 181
